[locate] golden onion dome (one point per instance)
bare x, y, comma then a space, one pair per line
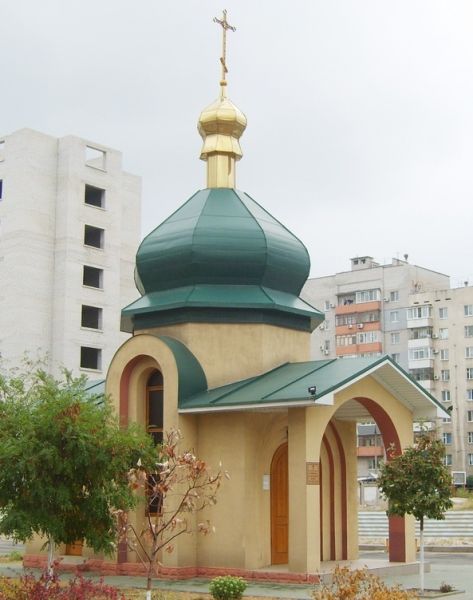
221, 125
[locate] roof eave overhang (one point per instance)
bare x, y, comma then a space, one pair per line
249, 407
434, 408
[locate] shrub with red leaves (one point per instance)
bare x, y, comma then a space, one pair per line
29, 587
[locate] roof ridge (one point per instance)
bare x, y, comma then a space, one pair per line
237, 193
329, 361
246, 382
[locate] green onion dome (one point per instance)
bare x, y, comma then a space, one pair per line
221, 257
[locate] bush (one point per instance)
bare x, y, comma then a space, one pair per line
359, 585
50, 588
227, 587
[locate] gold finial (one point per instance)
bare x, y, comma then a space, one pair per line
221, 125
223, 59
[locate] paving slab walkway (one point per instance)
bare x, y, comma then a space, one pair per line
456, 569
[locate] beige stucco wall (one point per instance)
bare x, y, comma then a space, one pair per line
244, 443
230, 352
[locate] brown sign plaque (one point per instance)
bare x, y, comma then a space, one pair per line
312, 473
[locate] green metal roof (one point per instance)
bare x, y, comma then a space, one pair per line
190, 375
240, 302
287, 385
221, 258
221, 236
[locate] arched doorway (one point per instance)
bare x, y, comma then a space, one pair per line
279, 506
335, 522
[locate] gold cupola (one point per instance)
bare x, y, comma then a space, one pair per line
221, 125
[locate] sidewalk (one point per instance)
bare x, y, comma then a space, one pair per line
455, 569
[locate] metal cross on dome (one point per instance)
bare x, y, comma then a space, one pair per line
225, 25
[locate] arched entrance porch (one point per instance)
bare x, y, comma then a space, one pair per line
322, 478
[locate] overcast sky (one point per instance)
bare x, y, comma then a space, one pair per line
360, 112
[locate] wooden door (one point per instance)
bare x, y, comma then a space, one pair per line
75, 549
279, 507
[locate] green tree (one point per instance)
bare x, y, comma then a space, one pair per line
64, 461
417, 483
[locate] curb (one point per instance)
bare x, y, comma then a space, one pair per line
381, 547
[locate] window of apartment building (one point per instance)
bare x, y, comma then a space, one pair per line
94, 196
394, 296
419, 312
470, 460
91, 317
341, 320
394, 316
396, 357
92, 277
468, 310
90, 358
327, 305
345, 340
469, 394
375, 462
424, 374
447, 438
420, 333
445, 395
93, 236
395, 337
443, 333
468, 330
443, 312
470, 437
469, 352
445, 374
469, 416
444, 354
446, 419
447, 460
368, 337
469, 373
370, 317
96, 158
420, 353
326, 324
1, 189
346, 299
367, 296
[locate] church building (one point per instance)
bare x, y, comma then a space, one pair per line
221, 332
220, 350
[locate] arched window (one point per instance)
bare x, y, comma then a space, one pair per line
154, 426
154, 406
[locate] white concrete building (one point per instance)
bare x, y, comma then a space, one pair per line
69, 231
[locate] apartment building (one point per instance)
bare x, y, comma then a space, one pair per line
440, 346
69, 231
369, 311
366, 308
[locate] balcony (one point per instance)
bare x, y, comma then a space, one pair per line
422, 322
359, 348
357, 327
370, 451
345, 309
420, 343
421, 363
